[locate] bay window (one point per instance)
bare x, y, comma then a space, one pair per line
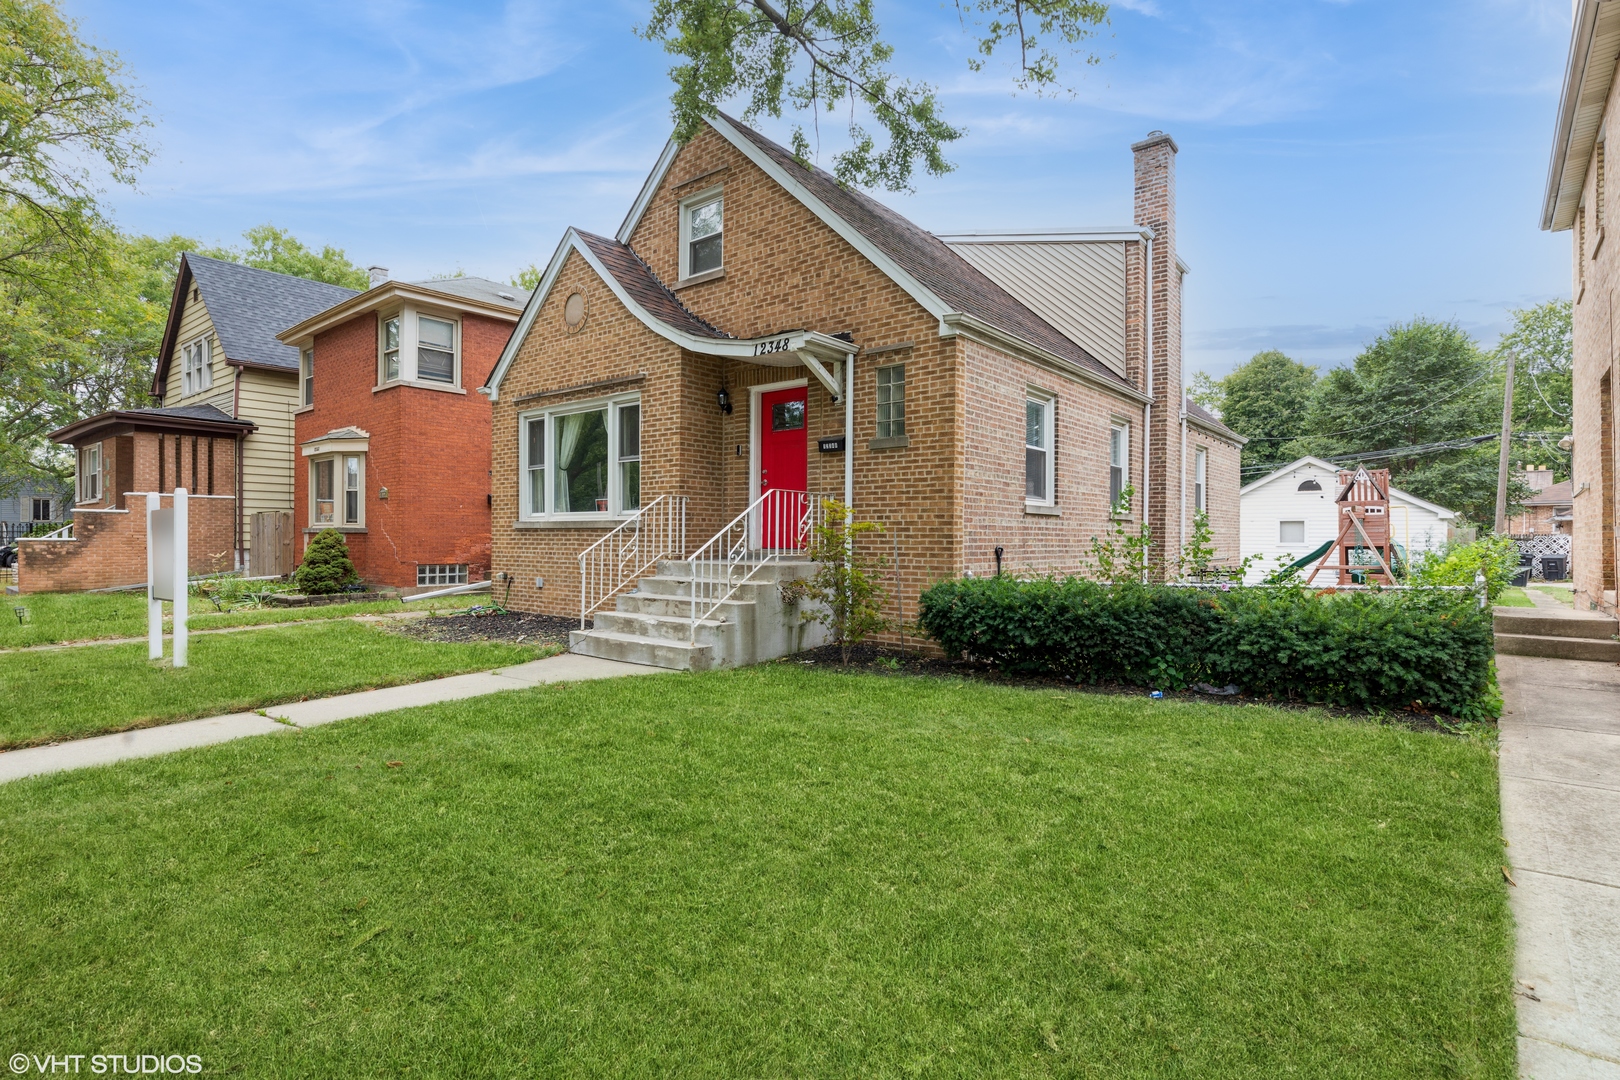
390, 349
336, 488
581, 459
435, 349
419, 349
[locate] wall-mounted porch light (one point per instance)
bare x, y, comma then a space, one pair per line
724, 398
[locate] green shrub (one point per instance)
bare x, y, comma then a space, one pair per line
1456, 564
327, 567
1364, 649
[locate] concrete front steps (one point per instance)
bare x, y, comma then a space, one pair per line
1558, 633
651, 624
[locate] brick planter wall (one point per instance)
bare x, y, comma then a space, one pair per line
109, 546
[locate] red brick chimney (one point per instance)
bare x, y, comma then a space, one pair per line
1156, 208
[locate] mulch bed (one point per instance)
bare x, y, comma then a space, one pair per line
514, 627
890, 660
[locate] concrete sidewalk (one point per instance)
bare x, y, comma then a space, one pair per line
167, 738
1560, 768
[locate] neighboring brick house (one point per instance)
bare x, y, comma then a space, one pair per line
220, 349
121, 455
1550, 510
1000, 381
1577, 198
393, 439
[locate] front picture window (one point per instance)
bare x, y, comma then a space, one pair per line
703, 231
436, 350
630, 457
891, 401
325, 505
582, 462
390, 349
1038, 449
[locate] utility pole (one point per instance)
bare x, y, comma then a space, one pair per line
1502, 459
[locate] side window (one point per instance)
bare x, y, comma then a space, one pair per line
306, 374
891, 401
435, 349
1200, 478
1038, 449
390, 349
1119, 458
1291, 532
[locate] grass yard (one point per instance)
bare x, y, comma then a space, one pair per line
1513, 596
57, 617
67, 693
774, 872
1562, 595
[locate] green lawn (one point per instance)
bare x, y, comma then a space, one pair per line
65, 693
774, 872
1563, 596
1513, 596
56, 617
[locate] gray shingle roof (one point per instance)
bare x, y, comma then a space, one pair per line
476, 288
250, 307
191, 412
928, 258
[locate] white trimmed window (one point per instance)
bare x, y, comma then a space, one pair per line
337, 484
418, 348
41, 509
306, 377
1290, 532
1038, 465
891, 401
196, 367
389, 348
435, 349
441, 574
1200, 478
582, 459
702, 229
1119, 463
89, 478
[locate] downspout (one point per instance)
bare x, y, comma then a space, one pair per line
1147, 410
849, 433
241, 441
1184, 474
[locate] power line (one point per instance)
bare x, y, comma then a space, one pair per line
1382, 423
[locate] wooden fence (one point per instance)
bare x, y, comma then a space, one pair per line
272, 544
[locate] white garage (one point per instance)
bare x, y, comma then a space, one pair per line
1290, 513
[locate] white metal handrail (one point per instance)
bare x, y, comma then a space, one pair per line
615, 562
64, 533
777, 524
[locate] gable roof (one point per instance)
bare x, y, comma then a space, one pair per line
919, 262
1594, 47
638, 279
1395, 493
248, 308
1204, 418
1559, 494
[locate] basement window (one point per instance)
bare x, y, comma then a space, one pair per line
441, 574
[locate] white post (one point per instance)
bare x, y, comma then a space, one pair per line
154, 606
182, 573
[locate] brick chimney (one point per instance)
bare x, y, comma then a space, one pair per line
377, 275
1156, 208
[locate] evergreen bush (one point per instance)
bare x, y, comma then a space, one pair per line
1364, 649
327, 567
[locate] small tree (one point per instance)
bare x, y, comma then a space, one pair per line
327, 567
1123, 556
849, 585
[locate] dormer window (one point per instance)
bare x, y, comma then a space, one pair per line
702, 229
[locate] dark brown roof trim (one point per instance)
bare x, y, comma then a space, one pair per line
146, 421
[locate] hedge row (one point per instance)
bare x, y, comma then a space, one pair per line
1361, 649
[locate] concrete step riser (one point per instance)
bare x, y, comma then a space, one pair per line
663, 628
1558, 648
675, 607
770, 572
671, 655
1570, 626
678, 587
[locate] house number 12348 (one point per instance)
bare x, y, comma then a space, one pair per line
779, 345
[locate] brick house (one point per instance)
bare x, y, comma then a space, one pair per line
1577, 199
220, 350
120, 456
756, 330
393, 441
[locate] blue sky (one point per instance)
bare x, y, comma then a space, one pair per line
1344, 163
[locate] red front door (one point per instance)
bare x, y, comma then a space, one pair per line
783, 464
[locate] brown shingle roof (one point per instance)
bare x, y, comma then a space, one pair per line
927, 258
1198, 412
640, 282
1559, 494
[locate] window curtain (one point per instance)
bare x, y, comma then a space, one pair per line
569, 429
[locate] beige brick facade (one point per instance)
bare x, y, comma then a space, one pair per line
949, 493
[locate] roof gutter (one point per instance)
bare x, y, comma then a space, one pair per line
1569, 104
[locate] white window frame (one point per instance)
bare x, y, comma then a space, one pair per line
1200, 479
1119, 438
196, 366
551, 414
896, 422
410, 341
1283, 540
1048, 404
687, 205
33, 508
306, 377
340, 490
89, 473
